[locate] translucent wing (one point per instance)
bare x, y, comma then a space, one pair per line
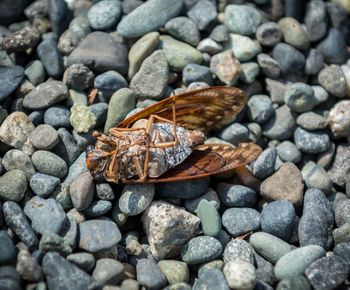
201, 109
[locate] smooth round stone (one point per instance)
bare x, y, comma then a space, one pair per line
97, 235
318, 178
264, 165
149, 16
121, 103
175, 271
210, 218
281, 125
320, 95
104, 191
201, 249
250, 71
187, 189
268, 65
314, 61
82, 118
208, 47
49, 163
333, 47
196, 73
226, 67
311, 142
135, 198
269, 246
315, 20
57, 116
178, 54
35, 72
44, 137
50, 57
294, 33
149, 275
296, 261
312, 121
97, 208
243, 47
109, 82
184, 29
242, 19
300, 97
240, 275
236, 195
294, 283
13, 185
332, 79
235, 134
82, 191
238, 250
239, 221
328, 272
216, 264
211, 279
269, 34
78, 77
277, 219
45, 95
108, 271
17, 159
259, 108
84, 261
104, 14
10, 78
289, 58
288, 152
343, 250
152, 78
339, 119
203, 13
210, 195
101, 53
8, 252
43, 184
46, 215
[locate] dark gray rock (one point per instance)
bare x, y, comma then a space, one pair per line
149, 275
315, 20
21, 40
109, 82
196, 73
8, 251
78, 77
43, 184
66, 148
97, 208
269, 34
314, 61
333, 80
300, 97
10, 78
236, 195
268, 65
265, 270
239, 221
288, 152
219, 33
211, 279
339, 169
57, 116
289, 58
235, 134
342, 212
203, 13
44, 137
183, 28
50, 57
264, 165
104, 191
312, 121
311, 142
35, 72
343, 250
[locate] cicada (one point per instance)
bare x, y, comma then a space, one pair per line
165, 142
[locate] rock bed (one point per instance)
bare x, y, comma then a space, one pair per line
62, 230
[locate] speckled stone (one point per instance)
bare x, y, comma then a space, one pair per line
238, 250
21, 40
149, 275
312, 121
57, 116
342, 234
203, 13
53, 242
78, 77
339, 169
108, 271
49, 163
239, 221
13, 185
183, 28
339, 119
264, 165
332, 79
300, 97
294, 33
215, 264
175, 271
311, 142
318, 178
43, 184
82, 118
288, 152
342, 250
281, 125
17, 159
341, 212
104, 14
240, 275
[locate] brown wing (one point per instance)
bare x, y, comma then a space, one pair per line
200, 110
208, 159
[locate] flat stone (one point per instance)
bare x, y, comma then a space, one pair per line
210, 218
50, 57
312, 121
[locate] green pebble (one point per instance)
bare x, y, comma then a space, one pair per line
175, 271
13, 185
76, 97
82, 119
210, 218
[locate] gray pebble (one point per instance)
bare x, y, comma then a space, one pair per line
315, 20
35, 72
44, 137
264, 165
53, 242
82, 191
300, 97
219, 33
13, 185
211, 279
268, 65
22, 39
339, 168
104, 14
240, 275
236, 195
57, 116
312, 121
66, 148
243, 47
238, 250
281, 125
76, 169
294, 33
269, 34
341, 212
235, 134
49, 163
276, 89
210, 195
332, 79
97, 208
288, 152
343, 250
100, 111
311, 142
203, 13
196, 73
17, 159
239, 221
37, 117
51, 58
250, 71
78, 77
109, 82
43, 184
289, 58
259, 108
314, 61
183, 28
265, 271
149, 275
104, 191
84, 261
8, 252
318, 178
297, 282
108, 271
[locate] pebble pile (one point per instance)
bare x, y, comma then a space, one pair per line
59, 229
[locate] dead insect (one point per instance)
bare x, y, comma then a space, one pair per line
164, 142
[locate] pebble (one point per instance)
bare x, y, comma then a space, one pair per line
285, 184
268, 65
210, 218
219, 33
121, 103
332, 79
67, 149
15, 131
339, 119
82, 191
215, 264
76, 169
243, 47
242, 19
8, 253
152, 78
340, 165
235, 134
211, 279
177, 53
104, 191
109, 82
27, 266
49, 163
10, 79
44, 137
17, 159
315, 20
203, 13
264, 165
78, 77
342, 250
288, 58
226, 67
314, 61
149, 16
208, 46
341, 212
328, 272
97, 235
201, 249
100, 111
341, 234
183, 28
43, 185
97, 208
108, 272
288, 152
57, 116
177, 224
312, 142
277, 219
269, 246
250, 71
318, 178
210, 195
185, 189
300, 97
239, 251
50, 57
61, 274
13, 185
17, 221
196, 73
269, 34
76, 97
333, 47
312, 121
82, 118
46, 215
104, 15
21, 40
239, 221
84, 261
100, 53
297, 282
293, 33
265, 272
35, 72
281, 125
236, 195
240, 275
149, 275
52, 242
276, 89
175, 271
